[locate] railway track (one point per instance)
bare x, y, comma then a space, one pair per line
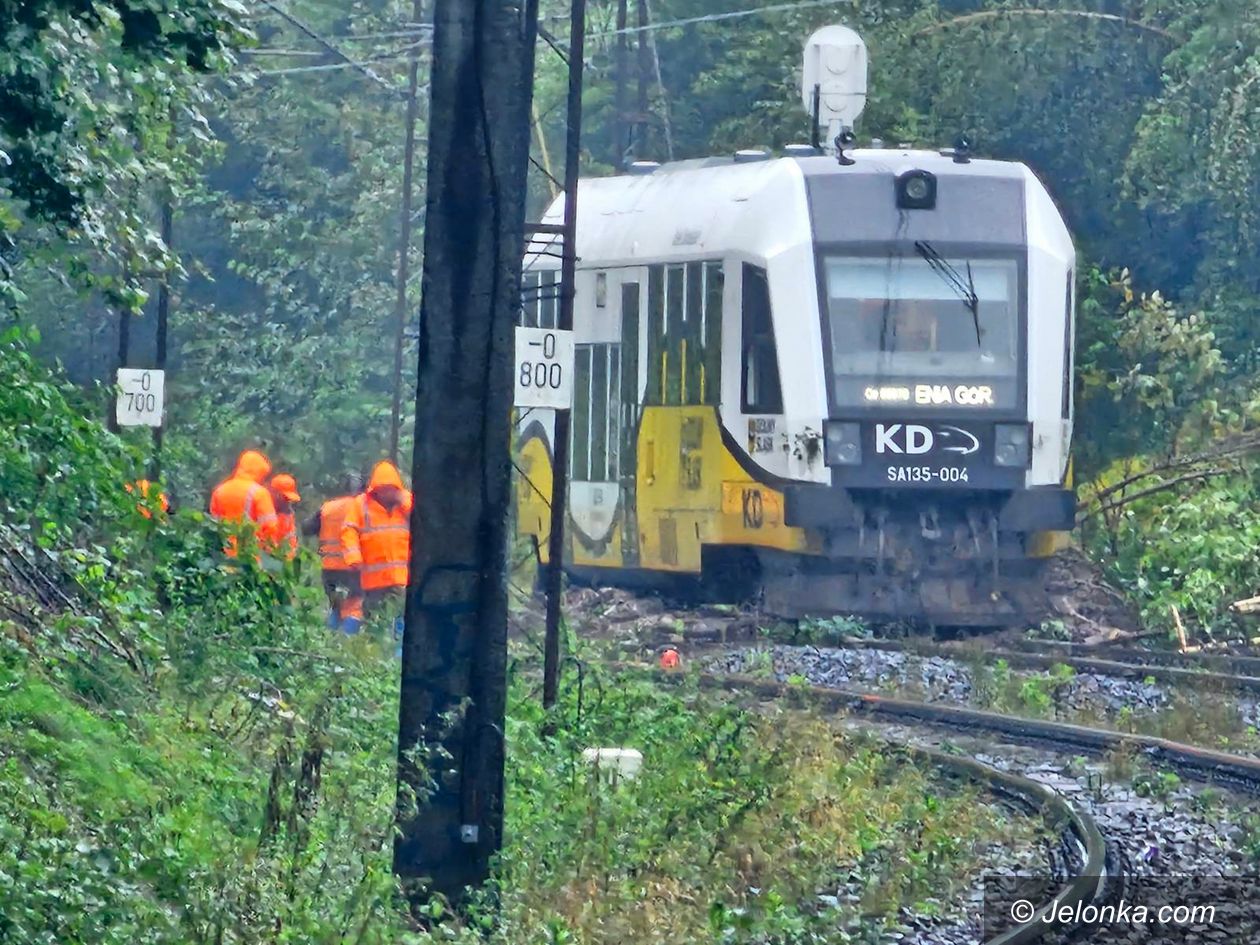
1236, 674
1079, 835
1119, 832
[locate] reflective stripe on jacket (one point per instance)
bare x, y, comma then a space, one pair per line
332, 516
378, 540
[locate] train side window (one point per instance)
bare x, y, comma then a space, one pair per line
599, 413
596, 426
614, 413
760, 390
656, 356
675, 298
548, 299
711, 334
529, 300
580, 425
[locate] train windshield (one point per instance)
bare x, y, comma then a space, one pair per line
900, 322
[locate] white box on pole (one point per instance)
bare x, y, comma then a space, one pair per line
140, 397
544, 368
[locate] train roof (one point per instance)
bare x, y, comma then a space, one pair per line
694, 208
865, 161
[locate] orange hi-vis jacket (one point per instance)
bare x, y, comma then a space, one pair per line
286, 532
284, 489
377, 540
244, 498
332, 517
146, 489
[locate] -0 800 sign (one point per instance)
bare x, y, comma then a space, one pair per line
544, 368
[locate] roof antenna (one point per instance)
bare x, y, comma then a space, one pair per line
962, 150
845, 141
833, 83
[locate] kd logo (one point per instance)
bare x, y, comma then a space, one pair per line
903, 438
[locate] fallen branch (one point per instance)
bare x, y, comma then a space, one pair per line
1243, 445
1149, 491
1181, 627
1249, 606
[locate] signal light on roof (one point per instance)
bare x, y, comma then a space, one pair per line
916, 190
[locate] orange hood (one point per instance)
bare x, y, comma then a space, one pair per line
385, 474
253, 465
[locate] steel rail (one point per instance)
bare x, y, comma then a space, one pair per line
1029, 659
1089, 886
1200, 764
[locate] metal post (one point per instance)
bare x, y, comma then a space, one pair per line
560, 446
404, 238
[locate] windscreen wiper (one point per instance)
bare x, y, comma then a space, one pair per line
966, 290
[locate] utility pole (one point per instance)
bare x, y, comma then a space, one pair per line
166, 228
454, 663
124, 349
620, 138
645, 68
404, 236
560, 443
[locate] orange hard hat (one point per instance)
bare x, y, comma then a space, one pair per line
670, 659
286, 485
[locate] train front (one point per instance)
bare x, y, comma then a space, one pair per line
946, 296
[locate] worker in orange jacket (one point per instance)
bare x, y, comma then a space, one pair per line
243, 498
341, 580
146, 491
284, 494
376, 536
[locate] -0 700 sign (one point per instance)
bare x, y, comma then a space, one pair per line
544, 368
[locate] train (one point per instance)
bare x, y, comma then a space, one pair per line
835, 383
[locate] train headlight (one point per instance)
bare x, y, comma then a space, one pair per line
843, 443
916, 190
1012, 445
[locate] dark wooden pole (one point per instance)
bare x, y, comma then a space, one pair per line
620, 103
167, 229
403, 274
454, 663
124, 352
560, 445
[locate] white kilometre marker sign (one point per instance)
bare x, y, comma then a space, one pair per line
544, 368
140, 397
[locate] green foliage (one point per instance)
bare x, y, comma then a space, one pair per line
187, 756
830, 630
1197, 553
78, 76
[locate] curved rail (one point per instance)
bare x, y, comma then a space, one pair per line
1086, 888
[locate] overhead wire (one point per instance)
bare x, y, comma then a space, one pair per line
330, 46
425, 31
718, 17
